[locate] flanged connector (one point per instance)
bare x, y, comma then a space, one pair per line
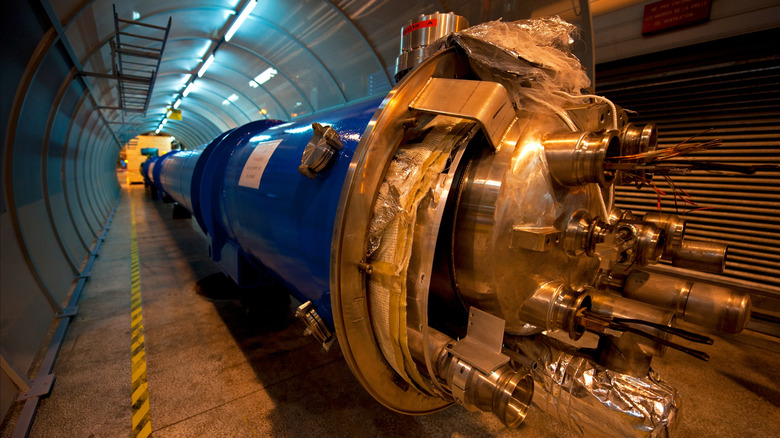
320, 151
577, 158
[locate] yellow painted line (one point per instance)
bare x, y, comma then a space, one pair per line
142, 423
145, 432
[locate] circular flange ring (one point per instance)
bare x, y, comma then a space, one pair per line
350, 232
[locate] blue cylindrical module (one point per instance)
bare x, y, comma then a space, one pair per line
265, 219
155, 176
145, 170
176, 175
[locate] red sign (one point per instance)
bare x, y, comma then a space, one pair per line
420, 25
672, 14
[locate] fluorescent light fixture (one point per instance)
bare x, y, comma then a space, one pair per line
136, 15
186, 79
232, 98
157, 131
253, 84
265, 76
187, 90
177, 103
240, 20
206, 65
163, 122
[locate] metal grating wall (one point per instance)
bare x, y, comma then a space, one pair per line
732, 87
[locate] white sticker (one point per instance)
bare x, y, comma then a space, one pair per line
255, 165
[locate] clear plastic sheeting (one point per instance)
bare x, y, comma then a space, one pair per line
594, 401
531, 58
408, 181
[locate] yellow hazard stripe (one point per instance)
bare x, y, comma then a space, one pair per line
142, 423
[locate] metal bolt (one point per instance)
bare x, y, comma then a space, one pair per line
365, 268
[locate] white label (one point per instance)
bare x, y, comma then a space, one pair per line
255, 165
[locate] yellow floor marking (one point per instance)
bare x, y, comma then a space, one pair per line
142, 424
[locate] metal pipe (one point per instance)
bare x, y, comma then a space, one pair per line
554, 307
504, 391
701, 256
674, 227
629, 353
577, 158
705, 305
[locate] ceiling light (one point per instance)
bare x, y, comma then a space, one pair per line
232, 98
187, 90
206, 65
157, 131
136, 15
177, 103
240, 20
253, 84
265, 76
163, 122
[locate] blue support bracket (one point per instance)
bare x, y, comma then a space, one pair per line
69, 311
40, 387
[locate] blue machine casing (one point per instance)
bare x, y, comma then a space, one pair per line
281, 230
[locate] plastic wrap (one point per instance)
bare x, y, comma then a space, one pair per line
530, 58
594, 401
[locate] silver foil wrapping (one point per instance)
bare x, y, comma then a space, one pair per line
596, 402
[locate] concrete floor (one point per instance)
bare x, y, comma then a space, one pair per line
222, 365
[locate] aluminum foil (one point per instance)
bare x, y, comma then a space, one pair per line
594, 401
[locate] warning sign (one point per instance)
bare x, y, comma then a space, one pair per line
673, 14
419, 25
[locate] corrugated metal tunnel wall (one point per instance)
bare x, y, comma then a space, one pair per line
727, 90
59, 183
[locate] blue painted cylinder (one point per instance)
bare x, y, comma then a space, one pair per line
264, 218
155, 169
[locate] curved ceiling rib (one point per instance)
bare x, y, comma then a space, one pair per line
203, 123
260, 87
186, 138
227, 75
363, 38
203, 128
182, 130
207, 106
281, 72
220, 96
304, 47
238, 92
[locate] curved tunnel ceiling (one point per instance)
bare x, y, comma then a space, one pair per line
324, 53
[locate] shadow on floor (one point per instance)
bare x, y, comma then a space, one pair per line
313, 391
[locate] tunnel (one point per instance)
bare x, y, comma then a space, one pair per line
390, 218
